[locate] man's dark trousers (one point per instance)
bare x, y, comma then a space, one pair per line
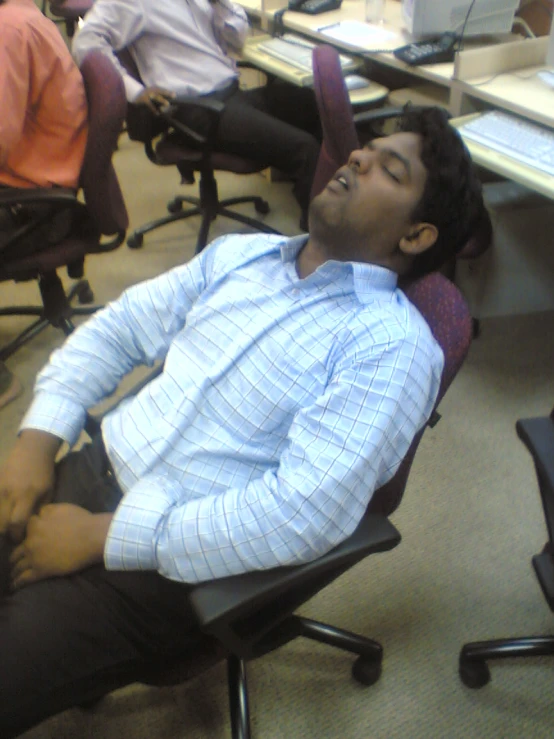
274, 125
67, 641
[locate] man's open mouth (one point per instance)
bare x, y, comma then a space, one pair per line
341, 179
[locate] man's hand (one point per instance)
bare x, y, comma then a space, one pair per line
26, 480
63, 538
155, 98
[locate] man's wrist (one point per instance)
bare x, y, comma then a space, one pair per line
40, 442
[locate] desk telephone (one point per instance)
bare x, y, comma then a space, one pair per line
441, 49
313, 7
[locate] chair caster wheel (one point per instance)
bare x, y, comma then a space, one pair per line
85, 296
474, 674
175, 206
261, 206
366, 671
135, 241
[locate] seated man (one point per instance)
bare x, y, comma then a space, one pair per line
43, 125
295, 376
183, 49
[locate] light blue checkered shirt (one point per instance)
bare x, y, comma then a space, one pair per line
283, 404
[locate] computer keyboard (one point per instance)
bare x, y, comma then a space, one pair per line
297, 52
519, 139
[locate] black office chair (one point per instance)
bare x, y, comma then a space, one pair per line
538, 436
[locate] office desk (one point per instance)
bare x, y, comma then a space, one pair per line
519, 91
439, 74
371, 94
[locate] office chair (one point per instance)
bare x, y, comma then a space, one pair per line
343, 131
68, 12
538, 436
103, 214
169, 142
246, 616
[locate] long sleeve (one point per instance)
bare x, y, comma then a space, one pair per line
338, 450
135, 330
230, 25
110, 26
14, 90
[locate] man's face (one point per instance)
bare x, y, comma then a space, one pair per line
365, 211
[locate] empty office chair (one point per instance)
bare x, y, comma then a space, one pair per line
168, 142
538, 436
104, 213
247, 616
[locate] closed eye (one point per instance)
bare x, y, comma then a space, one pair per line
391, 174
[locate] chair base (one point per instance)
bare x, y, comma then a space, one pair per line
365, 670
208, 213
56, 311
473, 668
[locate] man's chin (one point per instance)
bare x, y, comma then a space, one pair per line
324, 212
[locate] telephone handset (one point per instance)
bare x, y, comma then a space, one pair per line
313, 7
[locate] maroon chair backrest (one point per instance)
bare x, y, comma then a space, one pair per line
335, 113
442, 305
107, 106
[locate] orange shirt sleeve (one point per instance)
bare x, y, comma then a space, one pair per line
14, 89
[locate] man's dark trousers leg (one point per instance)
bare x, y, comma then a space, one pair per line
276, 125
69, 640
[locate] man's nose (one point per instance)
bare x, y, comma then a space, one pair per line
361, 160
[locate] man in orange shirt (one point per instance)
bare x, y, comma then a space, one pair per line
43, 125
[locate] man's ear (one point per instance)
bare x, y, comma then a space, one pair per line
422, 236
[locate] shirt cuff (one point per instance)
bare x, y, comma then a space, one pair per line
58, 416
132, 537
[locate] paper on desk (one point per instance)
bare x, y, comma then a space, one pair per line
364, 35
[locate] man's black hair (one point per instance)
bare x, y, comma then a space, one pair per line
452, 199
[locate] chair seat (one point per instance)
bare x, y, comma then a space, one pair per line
67, 251
171, 151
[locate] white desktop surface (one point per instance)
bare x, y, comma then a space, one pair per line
519, 91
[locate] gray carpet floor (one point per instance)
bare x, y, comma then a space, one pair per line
470, 522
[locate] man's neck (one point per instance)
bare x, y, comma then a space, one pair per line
310, 257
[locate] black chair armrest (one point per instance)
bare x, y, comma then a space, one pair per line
212, 110
376, 114
144, 126
27, 196
363, 121
247, 613
230, 598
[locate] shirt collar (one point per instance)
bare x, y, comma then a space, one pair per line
368, 279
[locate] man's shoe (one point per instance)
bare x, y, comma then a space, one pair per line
10, 387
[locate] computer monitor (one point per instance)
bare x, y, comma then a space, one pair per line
433, 17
